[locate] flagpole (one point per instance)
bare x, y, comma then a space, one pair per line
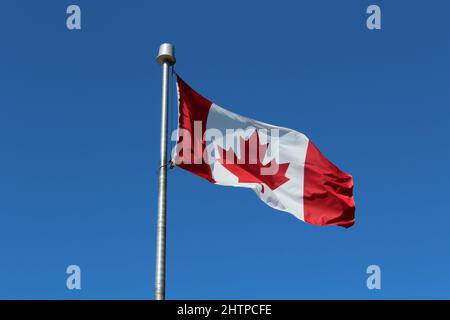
165, 58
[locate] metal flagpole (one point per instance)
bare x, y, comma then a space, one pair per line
166, 58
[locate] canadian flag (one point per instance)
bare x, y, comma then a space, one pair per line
283, 167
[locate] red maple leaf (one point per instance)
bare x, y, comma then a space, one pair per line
249, 166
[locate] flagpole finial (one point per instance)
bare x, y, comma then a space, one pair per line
166, 54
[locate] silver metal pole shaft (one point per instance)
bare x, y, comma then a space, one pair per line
166, 58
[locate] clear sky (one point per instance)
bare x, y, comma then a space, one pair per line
79, 138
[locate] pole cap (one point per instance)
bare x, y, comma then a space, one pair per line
166, 54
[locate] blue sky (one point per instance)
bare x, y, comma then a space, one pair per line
79, 137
